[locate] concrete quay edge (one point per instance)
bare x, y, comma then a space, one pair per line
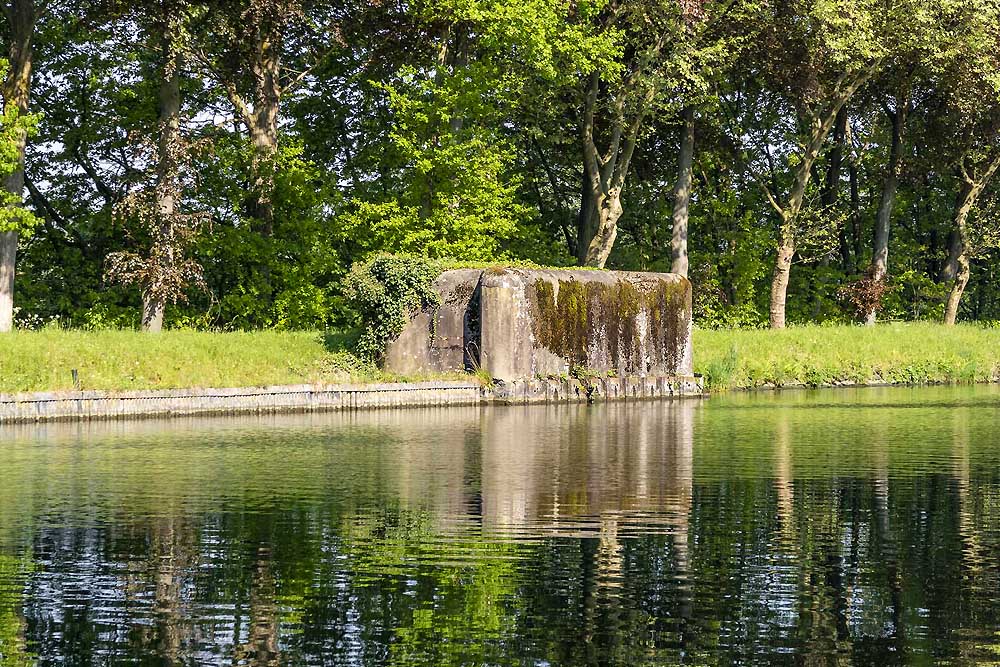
99, 405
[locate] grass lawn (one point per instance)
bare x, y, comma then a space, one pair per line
905, 353
811, 355
43, 360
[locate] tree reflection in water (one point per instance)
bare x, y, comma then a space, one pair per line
854, 527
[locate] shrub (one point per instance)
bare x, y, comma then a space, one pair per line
387, 291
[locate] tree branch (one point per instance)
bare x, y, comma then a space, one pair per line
770, 198
239, 104
102, 187
964, 172
53, 220
591, 158
621, 171
546, 168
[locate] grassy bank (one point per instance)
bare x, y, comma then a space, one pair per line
910, 353
810, 355
43, 360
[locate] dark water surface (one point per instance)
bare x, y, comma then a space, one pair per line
826, 527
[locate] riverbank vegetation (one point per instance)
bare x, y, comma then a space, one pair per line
893, 353
120, 360
222, 165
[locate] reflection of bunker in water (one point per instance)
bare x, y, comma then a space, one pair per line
520, 323
539, 470
571, 473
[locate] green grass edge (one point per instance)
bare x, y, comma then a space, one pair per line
894, 353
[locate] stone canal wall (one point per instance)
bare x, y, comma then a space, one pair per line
83, 405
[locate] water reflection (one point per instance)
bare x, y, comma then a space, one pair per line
864, 529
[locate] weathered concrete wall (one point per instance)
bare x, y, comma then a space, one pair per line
520, 323
44, 406
86, 405
593, 390
438, 341
545, 322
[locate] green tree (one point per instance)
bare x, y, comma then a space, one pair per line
670, 55
455, 125
16, 125
971, 111
163, 269
816, 55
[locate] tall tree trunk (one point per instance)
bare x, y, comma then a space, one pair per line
8, 259
786, 247
586, 221
166, 204
821, 124
958, 267
682, 197
264, 134
607, 231
152, 313
950, 268
261, 122
15, 92
830, 193
606, 173
779, 284
958, 285
880, 249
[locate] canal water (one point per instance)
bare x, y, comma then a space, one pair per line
802, 527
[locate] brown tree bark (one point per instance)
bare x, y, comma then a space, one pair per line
958, 286
789, 215
682, 197
264, 133
879, 267
958, 270
585, 221
779, 284
606, 173
8, 260
15, 91
958, 267
950, 268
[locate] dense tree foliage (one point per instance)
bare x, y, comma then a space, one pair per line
223, 164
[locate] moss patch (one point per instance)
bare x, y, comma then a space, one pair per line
629, 327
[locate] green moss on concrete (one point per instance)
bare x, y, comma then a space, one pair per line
388, 289
566, 320
666, 305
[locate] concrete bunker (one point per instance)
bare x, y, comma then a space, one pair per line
528, 323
